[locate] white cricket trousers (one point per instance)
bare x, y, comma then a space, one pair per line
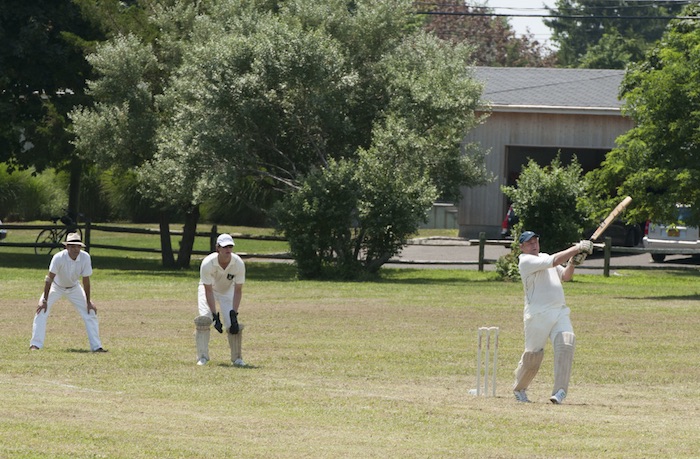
225, 301
75, 295
546, 325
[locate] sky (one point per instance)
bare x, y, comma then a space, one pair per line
537, 27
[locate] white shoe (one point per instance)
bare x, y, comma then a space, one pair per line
558, 397
521, 396
202, 361
238, 363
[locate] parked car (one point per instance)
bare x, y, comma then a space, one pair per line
3, 232
622, 234
671, 235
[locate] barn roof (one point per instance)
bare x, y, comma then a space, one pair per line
534, 89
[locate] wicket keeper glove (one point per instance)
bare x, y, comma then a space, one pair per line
234, 322
217, 323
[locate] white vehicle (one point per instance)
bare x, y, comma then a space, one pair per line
673, 236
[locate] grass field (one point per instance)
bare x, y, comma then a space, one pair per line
338, 370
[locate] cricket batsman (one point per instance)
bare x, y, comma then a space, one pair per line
545, 314
221, 279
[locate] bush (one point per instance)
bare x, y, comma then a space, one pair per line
25, 196
507, 266
125, 202
350, 218
318, 221
546, 200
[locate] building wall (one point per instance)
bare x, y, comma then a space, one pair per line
483, 208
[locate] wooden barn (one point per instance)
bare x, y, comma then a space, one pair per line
535, 113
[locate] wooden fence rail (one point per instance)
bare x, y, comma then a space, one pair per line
88, 228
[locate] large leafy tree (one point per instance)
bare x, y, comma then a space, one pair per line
119, 132
597, 33
658, 161
493, 40
353, 216
262, 94
42, 77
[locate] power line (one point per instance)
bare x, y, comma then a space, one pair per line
552, 16
489, 10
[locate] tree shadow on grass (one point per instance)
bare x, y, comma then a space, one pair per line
694, 297
31, 260
255, 270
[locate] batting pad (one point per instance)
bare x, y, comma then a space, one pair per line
234, 342
202, 333
564, 345
527, 369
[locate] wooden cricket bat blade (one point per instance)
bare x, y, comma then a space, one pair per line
611, 217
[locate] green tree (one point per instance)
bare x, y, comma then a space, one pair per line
42, 79
352, 217
613, 51
120, 131
548, 201
583, 23
259, 95
658, 161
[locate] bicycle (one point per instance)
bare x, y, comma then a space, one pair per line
50, 239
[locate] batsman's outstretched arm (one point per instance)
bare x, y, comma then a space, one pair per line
562, 257
568, 254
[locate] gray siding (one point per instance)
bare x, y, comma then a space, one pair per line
483, 208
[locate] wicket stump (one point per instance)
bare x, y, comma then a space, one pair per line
488, 332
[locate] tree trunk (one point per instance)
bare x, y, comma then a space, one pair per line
188, 234
166, 247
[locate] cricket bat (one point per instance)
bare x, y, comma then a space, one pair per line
610, 218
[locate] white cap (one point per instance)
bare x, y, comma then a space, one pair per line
225, 240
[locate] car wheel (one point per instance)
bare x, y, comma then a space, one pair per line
658, 257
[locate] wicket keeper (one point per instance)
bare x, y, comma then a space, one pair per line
221, 278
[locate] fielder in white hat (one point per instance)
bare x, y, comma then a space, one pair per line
66, 269
221, 279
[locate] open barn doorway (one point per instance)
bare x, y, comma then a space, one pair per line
518, 156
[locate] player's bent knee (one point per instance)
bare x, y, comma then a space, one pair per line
203, 322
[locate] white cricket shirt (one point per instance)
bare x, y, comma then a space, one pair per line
541, 282
68, 271
222, 280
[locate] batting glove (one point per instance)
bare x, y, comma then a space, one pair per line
217, 323
578, 259
585, 246
234, 322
